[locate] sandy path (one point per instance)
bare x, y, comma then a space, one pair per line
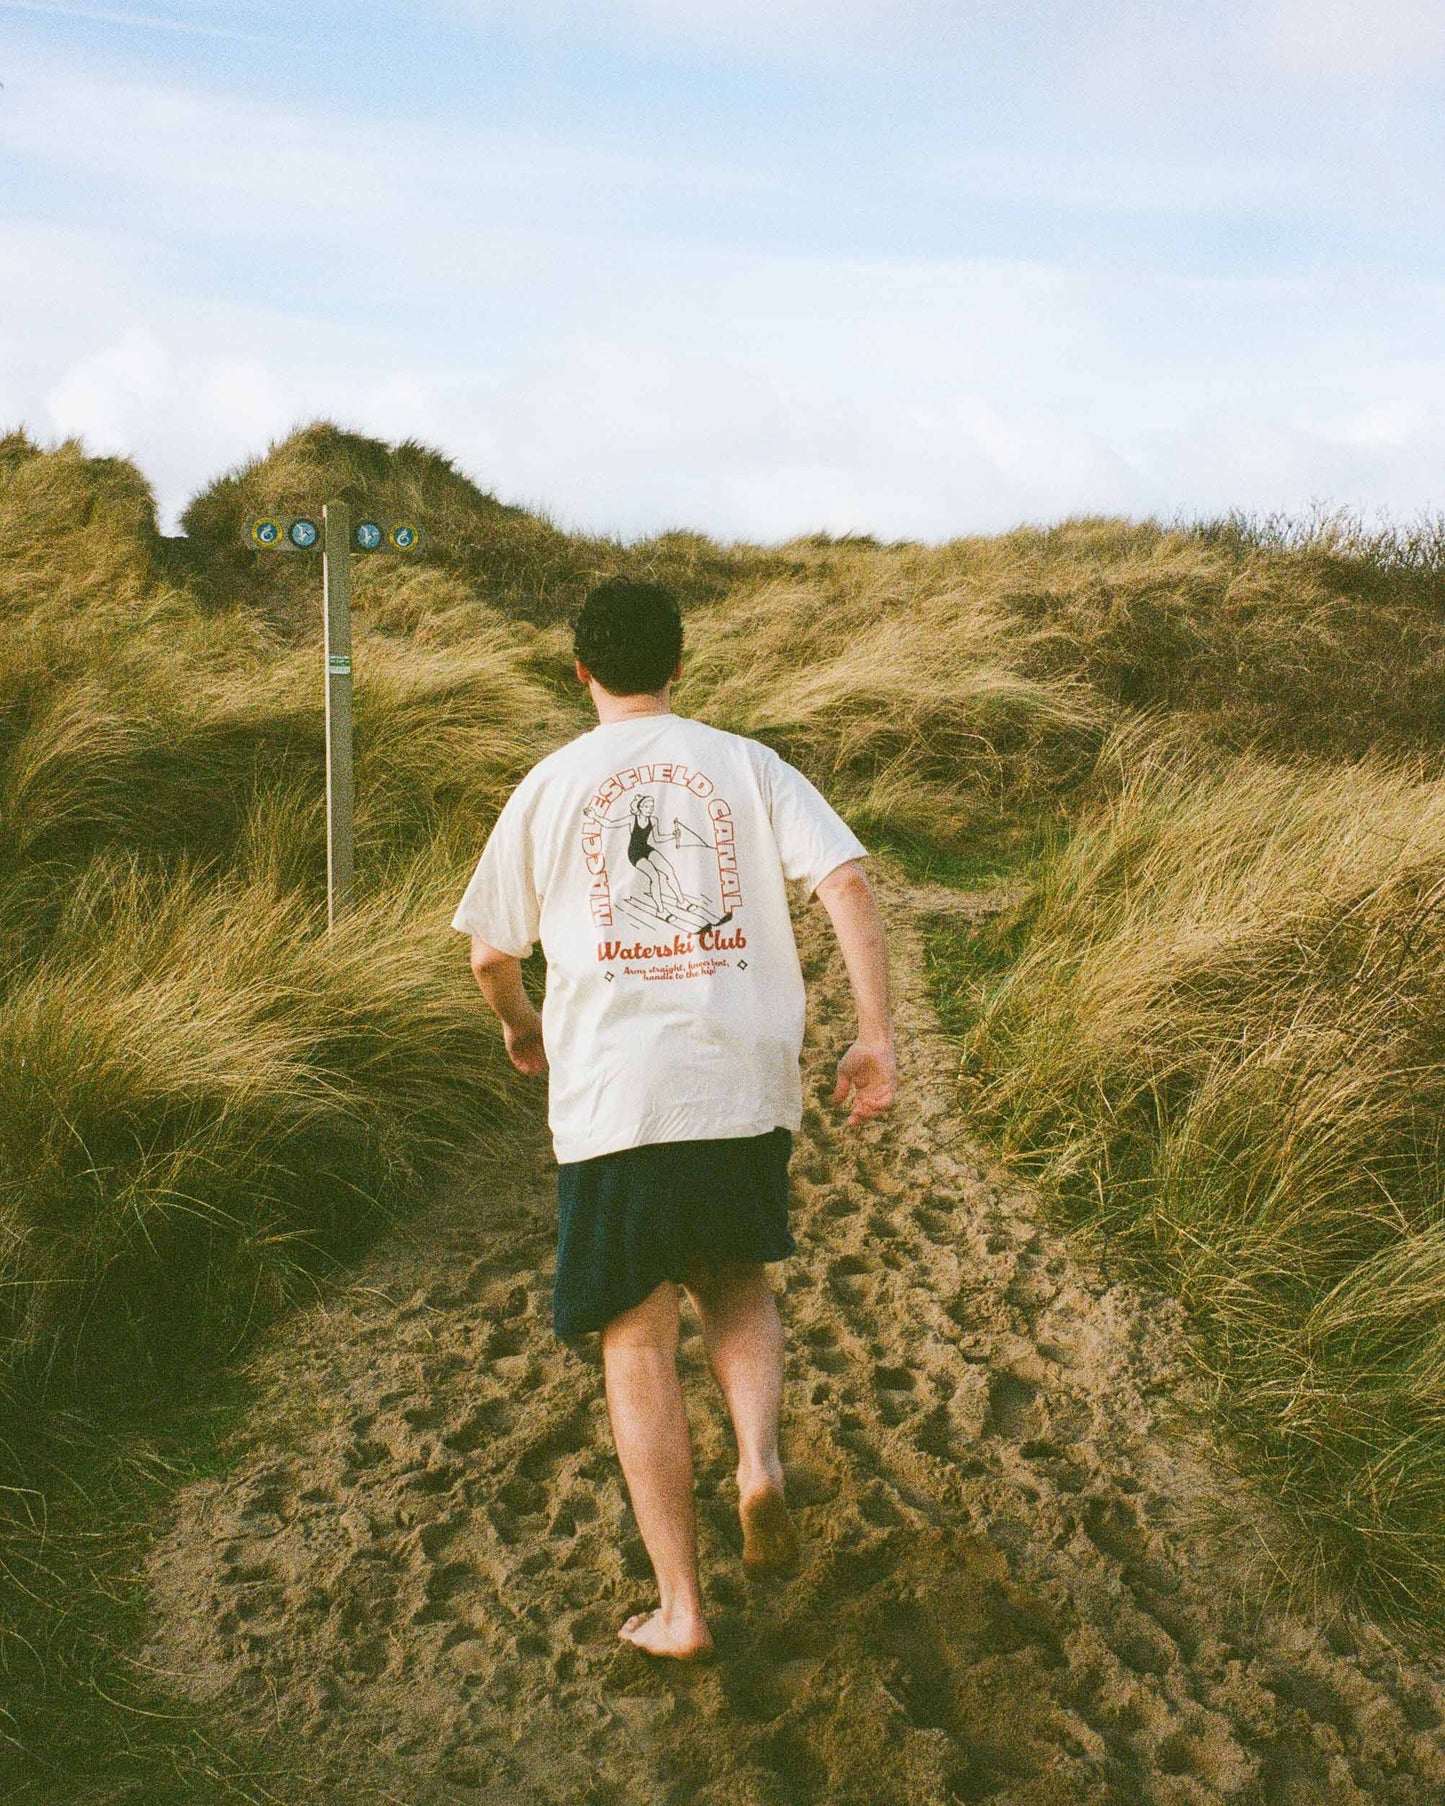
413, 1574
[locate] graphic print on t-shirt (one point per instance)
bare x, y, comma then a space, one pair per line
657, 895
661, 855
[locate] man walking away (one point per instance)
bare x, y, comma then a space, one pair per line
650, 857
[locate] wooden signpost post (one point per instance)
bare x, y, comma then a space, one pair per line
340, 793
338, 539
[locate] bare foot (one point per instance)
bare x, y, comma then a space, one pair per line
685, 1640
770, 1543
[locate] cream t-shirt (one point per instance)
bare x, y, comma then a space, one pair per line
649, 857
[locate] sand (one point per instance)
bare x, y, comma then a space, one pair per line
1024, 1578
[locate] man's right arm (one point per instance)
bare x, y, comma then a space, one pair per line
868, 1069
499, 978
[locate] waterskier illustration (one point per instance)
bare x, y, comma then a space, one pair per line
662, 895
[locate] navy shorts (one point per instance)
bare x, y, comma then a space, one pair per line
629, 1220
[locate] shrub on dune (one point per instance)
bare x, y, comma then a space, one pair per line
1329, 641
73, 530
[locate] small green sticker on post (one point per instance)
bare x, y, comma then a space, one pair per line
338, 664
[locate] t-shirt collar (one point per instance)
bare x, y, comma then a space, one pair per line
636, 720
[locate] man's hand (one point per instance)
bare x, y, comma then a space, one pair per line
524, 1045
869, 1071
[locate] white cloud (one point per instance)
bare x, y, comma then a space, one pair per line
1344, 38
1115, 183
179, 415
485, 299
617, 437
625, 442
818, 31
101, 396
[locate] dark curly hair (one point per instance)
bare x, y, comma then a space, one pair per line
629, 636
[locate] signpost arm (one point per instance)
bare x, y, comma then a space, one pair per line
340, 855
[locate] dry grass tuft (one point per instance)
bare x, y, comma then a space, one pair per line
905, 692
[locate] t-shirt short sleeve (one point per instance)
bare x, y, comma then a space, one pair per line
813, 839
501, 903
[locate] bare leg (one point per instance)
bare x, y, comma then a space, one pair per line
666, 881
744, 1337
649, 1426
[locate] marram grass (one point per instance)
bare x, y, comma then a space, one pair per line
200, 1094
1223, 1037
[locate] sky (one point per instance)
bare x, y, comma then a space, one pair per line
905, 267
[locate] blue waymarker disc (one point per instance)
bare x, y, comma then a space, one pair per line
367, 535
303, 533
404, 536
266, 532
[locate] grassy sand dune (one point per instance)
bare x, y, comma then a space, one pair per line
1207, 760
907, 692
196, 1081
512, 557
203, 1103
1221, 1038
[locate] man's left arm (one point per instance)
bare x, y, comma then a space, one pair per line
499, 976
